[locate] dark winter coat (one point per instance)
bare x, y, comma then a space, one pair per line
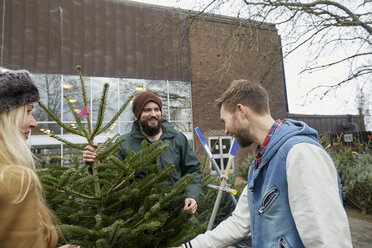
178, 153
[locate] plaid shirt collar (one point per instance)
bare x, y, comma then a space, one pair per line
260, 149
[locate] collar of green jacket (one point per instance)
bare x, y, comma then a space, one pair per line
168, 130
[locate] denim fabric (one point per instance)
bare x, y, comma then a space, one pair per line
272, 223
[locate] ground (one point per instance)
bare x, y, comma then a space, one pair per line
361, 228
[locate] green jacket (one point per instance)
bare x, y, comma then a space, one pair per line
178, 153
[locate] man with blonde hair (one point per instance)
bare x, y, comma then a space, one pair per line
293, 196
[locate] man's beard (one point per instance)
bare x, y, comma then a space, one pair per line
148, 130
242, 137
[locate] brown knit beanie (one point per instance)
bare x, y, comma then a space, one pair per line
141, 100
16, 89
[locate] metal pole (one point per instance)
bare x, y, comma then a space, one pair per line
233, 150
214, 164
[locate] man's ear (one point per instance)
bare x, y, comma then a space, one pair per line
241, 110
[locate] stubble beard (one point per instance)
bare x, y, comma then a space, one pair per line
242, 137
149, 130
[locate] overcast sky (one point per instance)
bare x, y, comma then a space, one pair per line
342, 101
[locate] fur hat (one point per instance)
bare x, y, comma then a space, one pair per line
141, 100
16, 89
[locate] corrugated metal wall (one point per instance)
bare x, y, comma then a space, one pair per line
107, 38
327, 123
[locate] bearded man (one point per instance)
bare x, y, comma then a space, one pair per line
293, 195
149, 126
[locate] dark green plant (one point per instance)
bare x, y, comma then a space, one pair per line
243, 169
106, 203
354, 165
208, 197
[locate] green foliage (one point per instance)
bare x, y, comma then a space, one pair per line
354, 165
242, 171
208, 197
109, 203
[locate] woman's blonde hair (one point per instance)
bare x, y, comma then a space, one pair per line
16, 155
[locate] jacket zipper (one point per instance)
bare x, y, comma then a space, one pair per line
265, 203
283, 244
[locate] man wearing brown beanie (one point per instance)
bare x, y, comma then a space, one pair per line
149, 126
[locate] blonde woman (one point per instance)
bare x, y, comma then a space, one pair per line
25, 220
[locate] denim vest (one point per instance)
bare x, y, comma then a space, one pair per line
272, 223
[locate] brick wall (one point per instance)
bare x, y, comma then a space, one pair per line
221, 52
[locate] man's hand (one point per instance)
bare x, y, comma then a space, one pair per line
89, 154
190, 205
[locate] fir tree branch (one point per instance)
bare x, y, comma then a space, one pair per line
97, 188
79, 171
147, 226
118, 203
64, 177
78, 67
122, 232
106, 143
101, 243
98, 219
166, 172
68, 190
177, 188
78, 231
111, 149
139, 213
83, 180
130, 176
113, 229
67, 142
80, 124
118, 162
146, 155
64, 126
101, 109
116, 116
117, 182
50, 180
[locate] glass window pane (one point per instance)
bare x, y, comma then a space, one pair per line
113, 129
50, 154
128, 87
214, 145
182, 126
74, 126
179, 94
180, 102
50, 89
218, 162
112, 103
180, 113
44, 128
226, 143
225, 160
125, 127
176, 107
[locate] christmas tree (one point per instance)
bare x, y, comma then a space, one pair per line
107, 203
